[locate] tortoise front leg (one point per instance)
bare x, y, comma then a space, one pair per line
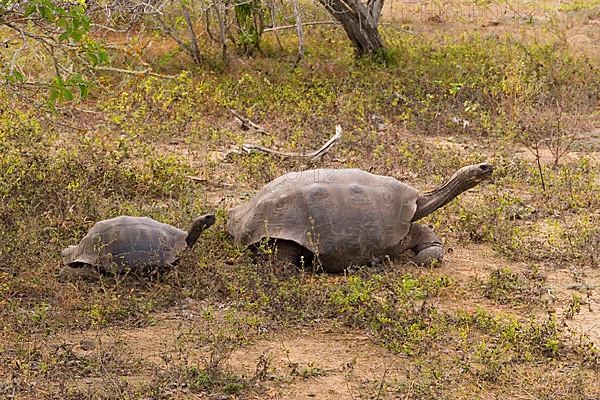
282, 254
288, 252
73, 274
426, 245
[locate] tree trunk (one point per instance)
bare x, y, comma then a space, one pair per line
194, 48
299, 32
360, 21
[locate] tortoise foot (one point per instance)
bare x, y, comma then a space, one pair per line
429, 256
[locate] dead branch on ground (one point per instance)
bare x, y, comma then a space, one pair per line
246, 124
313, 155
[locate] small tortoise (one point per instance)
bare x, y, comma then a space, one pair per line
128, 243
347, 216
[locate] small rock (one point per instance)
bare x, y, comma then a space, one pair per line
87, 344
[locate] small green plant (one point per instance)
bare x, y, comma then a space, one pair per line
249, 16
213, 376
55, 30
311, 371
574, 307
507, 286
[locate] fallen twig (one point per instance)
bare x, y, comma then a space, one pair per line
246, 123
248, 148
196, 178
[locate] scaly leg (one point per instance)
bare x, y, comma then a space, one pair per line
283, 253
426, 245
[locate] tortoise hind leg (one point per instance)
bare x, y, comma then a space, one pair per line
426, 245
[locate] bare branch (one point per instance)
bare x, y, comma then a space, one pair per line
246, 123
144, 72
221, 20
279, 28
314, 155
195, 49
299, 32
13, 62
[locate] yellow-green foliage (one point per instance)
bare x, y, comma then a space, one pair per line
52, 189
428, 85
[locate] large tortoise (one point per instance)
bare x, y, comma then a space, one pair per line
129, 243
347, 216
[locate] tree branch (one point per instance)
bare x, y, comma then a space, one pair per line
299, 32
279, 28
375, 7
144, 72
195, 49
313, 155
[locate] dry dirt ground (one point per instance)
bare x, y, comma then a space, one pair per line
321, 361
525, 19
324, 361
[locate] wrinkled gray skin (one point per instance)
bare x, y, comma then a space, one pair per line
347, 216
129, 244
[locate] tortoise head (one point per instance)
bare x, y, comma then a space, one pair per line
464, 179
198, 226
471, 175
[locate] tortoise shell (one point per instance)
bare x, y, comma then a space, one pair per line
127, 242
342, 215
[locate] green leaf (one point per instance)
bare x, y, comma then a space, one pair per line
18, 77
45, 12
67, 94
52, 98
76, 35
30, 9
84, 90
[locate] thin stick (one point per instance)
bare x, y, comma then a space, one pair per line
274, 23
539, 165
246, 123
279, 28
195, 49
385, 372
314, 155
221, 19
196, 178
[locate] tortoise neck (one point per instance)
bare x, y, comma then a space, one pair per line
430, 201
194, 233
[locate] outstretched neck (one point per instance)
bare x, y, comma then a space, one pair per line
428, 202
194, 233
192, 237
198, 226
